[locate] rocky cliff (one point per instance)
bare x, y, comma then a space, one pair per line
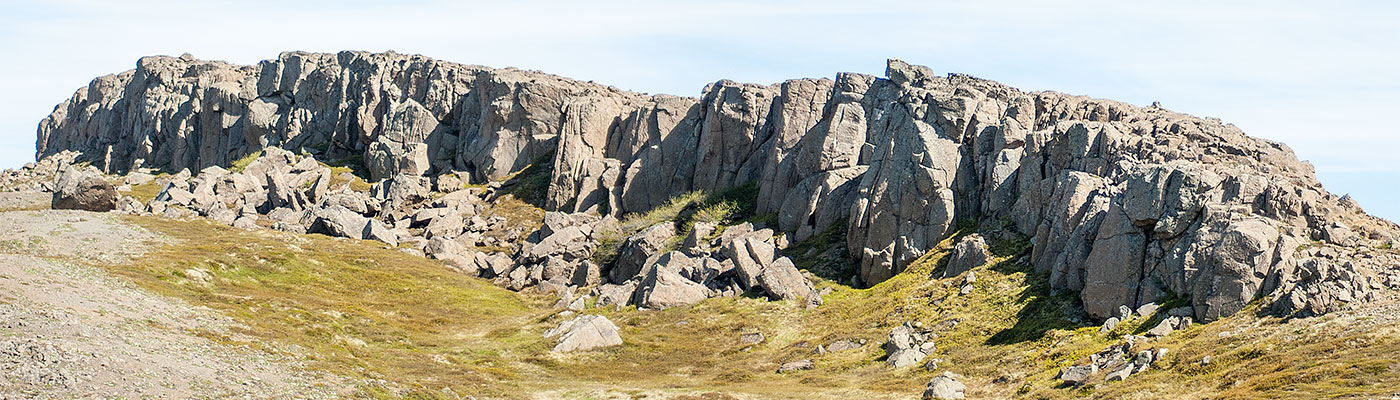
1125, 205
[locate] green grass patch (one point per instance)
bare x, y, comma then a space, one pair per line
358, 310
148, 191
731, 206
237, 166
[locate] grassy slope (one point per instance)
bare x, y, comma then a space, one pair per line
364, 311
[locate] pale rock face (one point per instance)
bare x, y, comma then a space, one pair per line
584, 332
1122, 204
663, 286
945, 386
968, 253
907, 345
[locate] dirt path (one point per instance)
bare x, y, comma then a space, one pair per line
69, 330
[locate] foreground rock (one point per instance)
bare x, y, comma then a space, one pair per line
945, 386
907, 346
1114, 363
83, 189
584, 332
969, 253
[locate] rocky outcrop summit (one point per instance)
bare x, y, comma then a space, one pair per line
1124, 205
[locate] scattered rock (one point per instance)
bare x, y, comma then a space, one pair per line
1078, 375
637, 249
1109, 324
750, 339
945, 386
907, 346
584, 332
796, 366
1146, 310
1165, 327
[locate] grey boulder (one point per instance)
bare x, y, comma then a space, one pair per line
945, 386
78, 189
584, 332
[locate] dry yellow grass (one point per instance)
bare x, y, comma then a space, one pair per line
360, 310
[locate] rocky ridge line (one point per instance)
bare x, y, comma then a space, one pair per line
1125, 205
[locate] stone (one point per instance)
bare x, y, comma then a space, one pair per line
1166, 326
695, 241
616, 294
906, 346
750, 256
1119, 373
84, 190
782, 281
1146, 310
339, 221
584, 332
633, 255
750, 339
376, 230
129, 205
970, 252
801, 365
663, 286
945, 386
1078, 375
1109, 324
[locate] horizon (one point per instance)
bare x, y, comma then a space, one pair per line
1292, 72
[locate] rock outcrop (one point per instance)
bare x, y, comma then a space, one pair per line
1123, 204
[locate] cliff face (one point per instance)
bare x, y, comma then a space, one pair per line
1125, 204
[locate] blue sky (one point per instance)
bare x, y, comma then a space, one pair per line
1322, 77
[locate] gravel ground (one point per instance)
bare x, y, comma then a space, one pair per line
71, 331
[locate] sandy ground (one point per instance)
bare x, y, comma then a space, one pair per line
71, 331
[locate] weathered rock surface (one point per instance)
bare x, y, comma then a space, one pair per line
1114, 363
800, 365
945, 386
969, 253
907, 346
82, 189
584, 332
1124, 204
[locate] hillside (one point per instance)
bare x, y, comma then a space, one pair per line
920, 223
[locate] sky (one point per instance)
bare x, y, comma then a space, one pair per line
1322, 77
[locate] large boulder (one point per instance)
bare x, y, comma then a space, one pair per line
82, 189
751, 254
945, 386
969, 253
584, 332
638, 248
339, 221
663, 285
782, 281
